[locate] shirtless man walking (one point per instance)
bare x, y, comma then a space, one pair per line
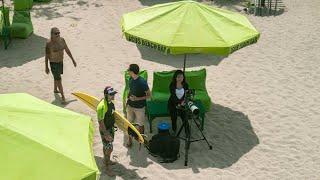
55, 48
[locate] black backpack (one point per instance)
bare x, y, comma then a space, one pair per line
165, 146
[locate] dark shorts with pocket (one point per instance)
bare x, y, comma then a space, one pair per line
107, 144
56, 69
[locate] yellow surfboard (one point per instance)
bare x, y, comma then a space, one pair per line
121, 122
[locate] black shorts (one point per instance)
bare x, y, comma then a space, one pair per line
56, 69
107, 144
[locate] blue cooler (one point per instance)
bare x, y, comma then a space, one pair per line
163, 127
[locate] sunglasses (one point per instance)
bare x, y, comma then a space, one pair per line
57, 33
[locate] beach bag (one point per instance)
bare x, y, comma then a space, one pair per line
165, 146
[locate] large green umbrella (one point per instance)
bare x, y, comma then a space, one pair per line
41, 141
189, 27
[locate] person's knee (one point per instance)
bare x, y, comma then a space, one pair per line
141, 129
109, 151
57, 77
130, 114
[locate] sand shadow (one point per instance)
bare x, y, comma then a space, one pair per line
57, 101
234, 5
221, 3
265, 12
21, 51
193, 60
151, 3
228, 131
118, 169
52, 11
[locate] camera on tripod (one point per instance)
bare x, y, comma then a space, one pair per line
192, 113
190, 105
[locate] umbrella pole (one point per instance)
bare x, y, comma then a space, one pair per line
184, 62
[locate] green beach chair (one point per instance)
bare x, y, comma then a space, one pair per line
143, 74
21, 24
5, 26
195, 79
22, 5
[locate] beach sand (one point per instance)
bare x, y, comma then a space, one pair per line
264, 121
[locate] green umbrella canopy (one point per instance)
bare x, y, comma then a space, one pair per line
41, 141
189, 27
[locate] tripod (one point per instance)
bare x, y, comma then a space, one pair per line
188, 115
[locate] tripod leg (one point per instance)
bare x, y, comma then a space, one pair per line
198, 126
186, 153
188, 134
180, 129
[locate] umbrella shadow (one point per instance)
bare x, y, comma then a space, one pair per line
52, 11
151, 3
228, 131
57, 101
221, 3
193, 60
21, 51
265, 12
118, 169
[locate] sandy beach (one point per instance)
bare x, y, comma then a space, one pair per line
264, 120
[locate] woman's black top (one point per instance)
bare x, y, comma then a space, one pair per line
173, 99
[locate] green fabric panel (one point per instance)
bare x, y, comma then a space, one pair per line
170, 28
1, 22
4, 26
32, 131
4, 21
4, 17
92, 176
160, 96
161, 81
22, 5
195, 79
143, 74
22, 17
22, 158
204, 98
21, 24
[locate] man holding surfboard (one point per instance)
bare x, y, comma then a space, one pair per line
138, 93
106, 119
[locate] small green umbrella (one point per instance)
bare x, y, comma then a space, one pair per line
186, 27
41, 141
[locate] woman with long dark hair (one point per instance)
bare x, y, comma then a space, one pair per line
178, 88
